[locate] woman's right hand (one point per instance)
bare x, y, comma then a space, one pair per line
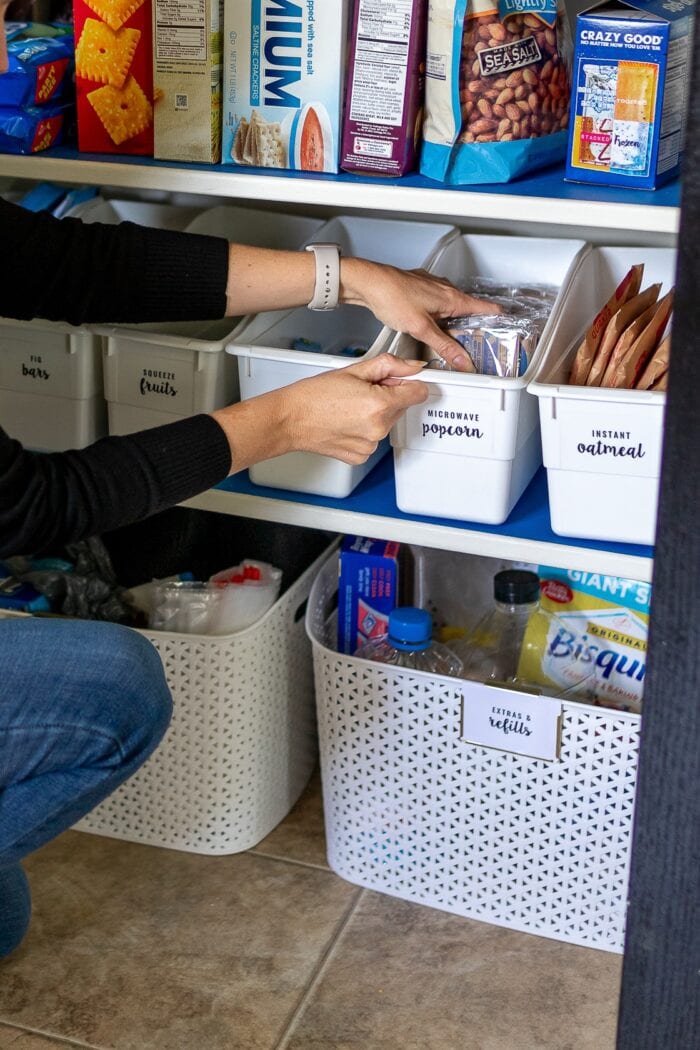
343, 413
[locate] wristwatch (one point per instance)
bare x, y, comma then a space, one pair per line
327, 286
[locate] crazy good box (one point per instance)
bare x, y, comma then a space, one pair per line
386, 82
187, 79
630, 81
114, 76
284, 74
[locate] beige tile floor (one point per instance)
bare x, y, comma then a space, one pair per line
136, 948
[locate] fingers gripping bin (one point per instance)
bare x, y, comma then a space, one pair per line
472, 448
267, 362
156, 373
241, 745
51, 384
602, 447
414, 811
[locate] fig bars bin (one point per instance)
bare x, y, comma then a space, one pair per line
156, 373
267, 360
241, 745
472, 448
602, 447
414, 810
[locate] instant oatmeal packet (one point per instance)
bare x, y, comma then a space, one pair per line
628, 287
631, 362
616, 327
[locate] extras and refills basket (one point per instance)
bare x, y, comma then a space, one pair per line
242, 742
415, 811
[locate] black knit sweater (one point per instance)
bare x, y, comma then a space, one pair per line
69, 271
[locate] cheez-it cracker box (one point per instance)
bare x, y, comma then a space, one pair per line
114, 76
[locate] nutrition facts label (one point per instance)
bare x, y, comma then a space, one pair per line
381, 60
181, 29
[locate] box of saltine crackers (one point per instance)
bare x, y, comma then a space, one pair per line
284, 75
114, 76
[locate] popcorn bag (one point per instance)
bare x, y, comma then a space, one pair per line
497, 89
114, 76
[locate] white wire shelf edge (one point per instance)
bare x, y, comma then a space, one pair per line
341, 193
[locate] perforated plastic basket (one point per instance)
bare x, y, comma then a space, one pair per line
414, 811
242, 742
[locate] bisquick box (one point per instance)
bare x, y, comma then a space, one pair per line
284, 77
386, 84
368, 588
187, 82
630, 80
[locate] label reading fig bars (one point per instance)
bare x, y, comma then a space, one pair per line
507, 57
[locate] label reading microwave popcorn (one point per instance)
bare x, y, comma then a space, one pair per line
284, 66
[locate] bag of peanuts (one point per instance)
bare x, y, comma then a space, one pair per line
497, 89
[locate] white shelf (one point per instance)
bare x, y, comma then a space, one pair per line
371, 511
542, 198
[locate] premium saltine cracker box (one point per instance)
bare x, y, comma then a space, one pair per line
114, 76
187, 79
284, 75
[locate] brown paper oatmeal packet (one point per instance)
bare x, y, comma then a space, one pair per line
627, 288
616, 328
662, 383
657, 366
631, 364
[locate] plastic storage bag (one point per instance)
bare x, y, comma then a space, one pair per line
497, 89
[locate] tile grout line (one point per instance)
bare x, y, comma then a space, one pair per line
64, 1040
291, 860
318, 974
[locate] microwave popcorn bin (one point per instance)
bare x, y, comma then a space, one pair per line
415, 810
602, 447
156, 373
51, 384
266, 360
242, 742
470, 451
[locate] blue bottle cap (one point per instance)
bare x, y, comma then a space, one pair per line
410, 628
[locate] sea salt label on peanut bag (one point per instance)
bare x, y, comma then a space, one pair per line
497, 89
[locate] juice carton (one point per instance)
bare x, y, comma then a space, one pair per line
630, 82
284, 78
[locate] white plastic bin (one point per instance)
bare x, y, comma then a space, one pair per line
417, 812
600, 494
472, 448
160, 215
267, 362
51, 384
156, 373
241, 745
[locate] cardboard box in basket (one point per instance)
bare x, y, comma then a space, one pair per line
472, 448
602, 447
268, 360
156, 373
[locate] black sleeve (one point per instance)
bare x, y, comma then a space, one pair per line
66, 270
69, 271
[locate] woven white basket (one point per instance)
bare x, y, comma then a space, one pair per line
242, 742
414, 811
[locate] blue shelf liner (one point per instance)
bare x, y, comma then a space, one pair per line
375, 495
549, 183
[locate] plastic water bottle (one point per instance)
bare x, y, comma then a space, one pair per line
409, 644
492, 651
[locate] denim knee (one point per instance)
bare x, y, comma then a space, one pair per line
139, 697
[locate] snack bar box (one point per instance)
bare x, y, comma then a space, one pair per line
602, 447
267, 358
156, 373
472, 448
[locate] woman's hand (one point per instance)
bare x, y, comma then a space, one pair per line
343, 413
411, 301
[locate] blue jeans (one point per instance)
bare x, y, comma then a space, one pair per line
82, 706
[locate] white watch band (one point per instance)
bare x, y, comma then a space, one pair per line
327, 286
